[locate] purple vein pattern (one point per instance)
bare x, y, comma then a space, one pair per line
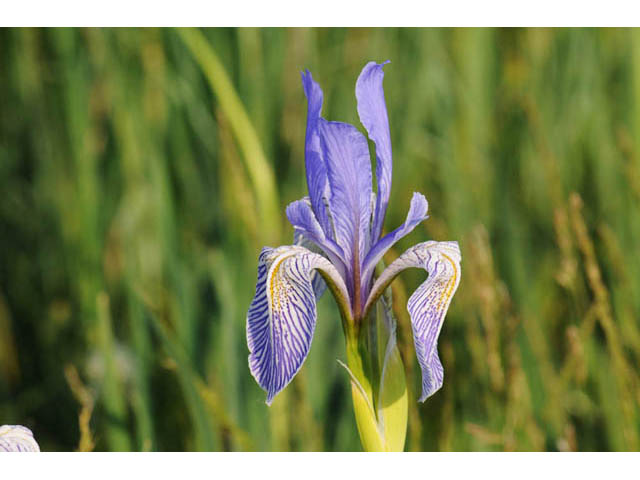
338, 241
282, 316
428, 305
16, 438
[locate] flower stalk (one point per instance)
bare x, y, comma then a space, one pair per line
378, 384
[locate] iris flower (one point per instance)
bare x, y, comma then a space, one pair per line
16, 438
338, 243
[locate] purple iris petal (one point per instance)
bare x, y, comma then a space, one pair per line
373, 115
314, 163
429, 303
282, 315
349, 173
318, 284
417, 213
427, 308
302, 218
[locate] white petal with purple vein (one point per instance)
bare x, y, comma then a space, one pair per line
429, 303
282, 317
16, 438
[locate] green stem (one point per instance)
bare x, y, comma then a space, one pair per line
362, 395
378, 386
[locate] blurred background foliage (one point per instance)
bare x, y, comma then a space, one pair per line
142, 170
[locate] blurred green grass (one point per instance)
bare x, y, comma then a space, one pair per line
143, 169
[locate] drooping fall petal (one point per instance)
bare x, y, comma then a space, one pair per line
428, 305
282, 317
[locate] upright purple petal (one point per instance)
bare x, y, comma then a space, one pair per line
282, 315
346, 154
16, 438
429, 303
314, 163
417, 213
373, 115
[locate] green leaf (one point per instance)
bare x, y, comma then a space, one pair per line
392, 407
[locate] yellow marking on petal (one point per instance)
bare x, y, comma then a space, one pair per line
272, 286
277, 288
448, 291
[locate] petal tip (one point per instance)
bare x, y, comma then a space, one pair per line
306, 74
429, 393
418, 207
374, 66
308, 82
